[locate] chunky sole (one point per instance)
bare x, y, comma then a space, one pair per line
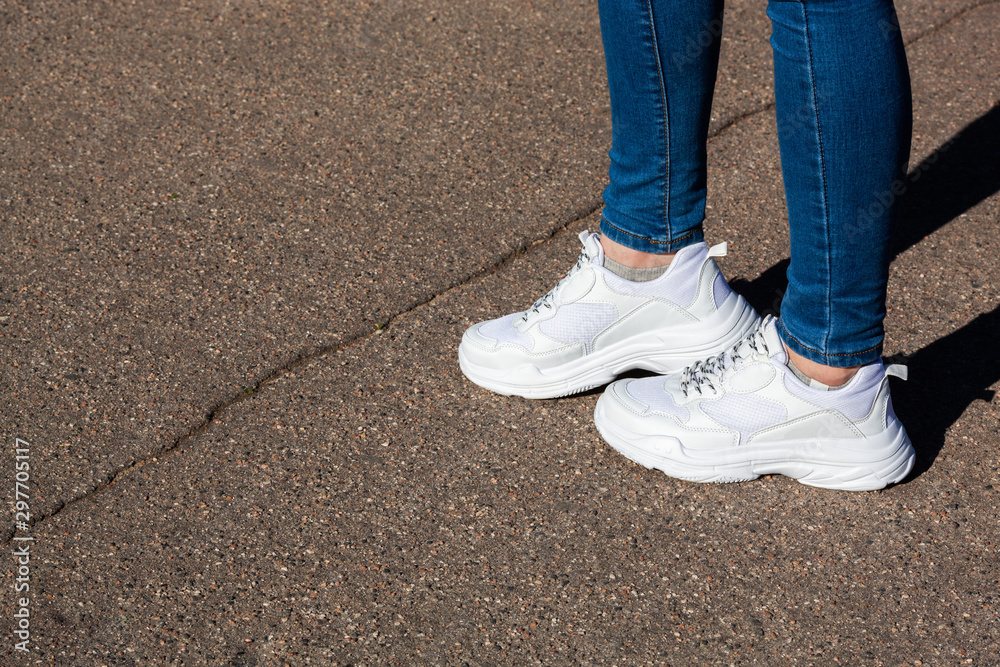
650, 351
830, 463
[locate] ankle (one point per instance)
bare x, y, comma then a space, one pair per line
634, 259
831, 376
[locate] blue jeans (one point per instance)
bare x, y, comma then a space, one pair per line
843, 108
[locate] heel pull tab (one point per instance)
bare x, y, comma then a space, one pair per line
897, 371
719, 250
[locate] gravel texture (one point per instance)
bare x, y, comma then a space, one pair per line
243, 241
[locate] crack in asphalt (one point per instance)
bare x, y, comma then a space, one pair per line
247, 392
951, 19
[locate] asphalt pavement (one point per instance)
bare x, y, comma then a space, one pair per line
241, 241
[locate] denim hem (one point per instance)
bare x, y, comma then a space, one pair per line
843, 360
645, 244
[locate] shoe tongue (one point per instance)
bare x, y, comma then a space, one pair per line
748, 348
775, 346
592, 243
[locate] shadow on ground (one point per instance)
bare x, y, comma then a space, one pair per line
946, 377
959, 174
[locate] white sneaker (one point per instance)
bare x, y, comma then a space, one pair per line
595, 325
744, 413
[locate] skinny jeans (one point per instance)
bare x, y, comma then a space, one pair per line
844, 117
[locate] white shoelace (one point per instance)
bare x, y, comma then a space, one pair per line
547, 300
708, 374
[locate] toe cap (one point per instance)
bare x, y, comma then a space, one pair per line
621, 406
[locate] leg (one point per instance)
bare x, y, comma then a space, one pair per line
662, 57
843, 105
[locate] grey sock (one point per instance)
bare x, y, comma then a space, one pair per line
815, 384
635, 275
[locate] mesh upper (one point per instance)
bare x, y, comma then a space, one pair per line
502, 331
746, 413
579, 322
650, 392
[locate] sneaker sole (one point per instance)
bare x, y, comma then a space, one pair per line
828, 463
601, 367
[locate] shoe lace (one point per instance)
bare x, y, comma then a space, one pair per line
708, 374
547, 300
